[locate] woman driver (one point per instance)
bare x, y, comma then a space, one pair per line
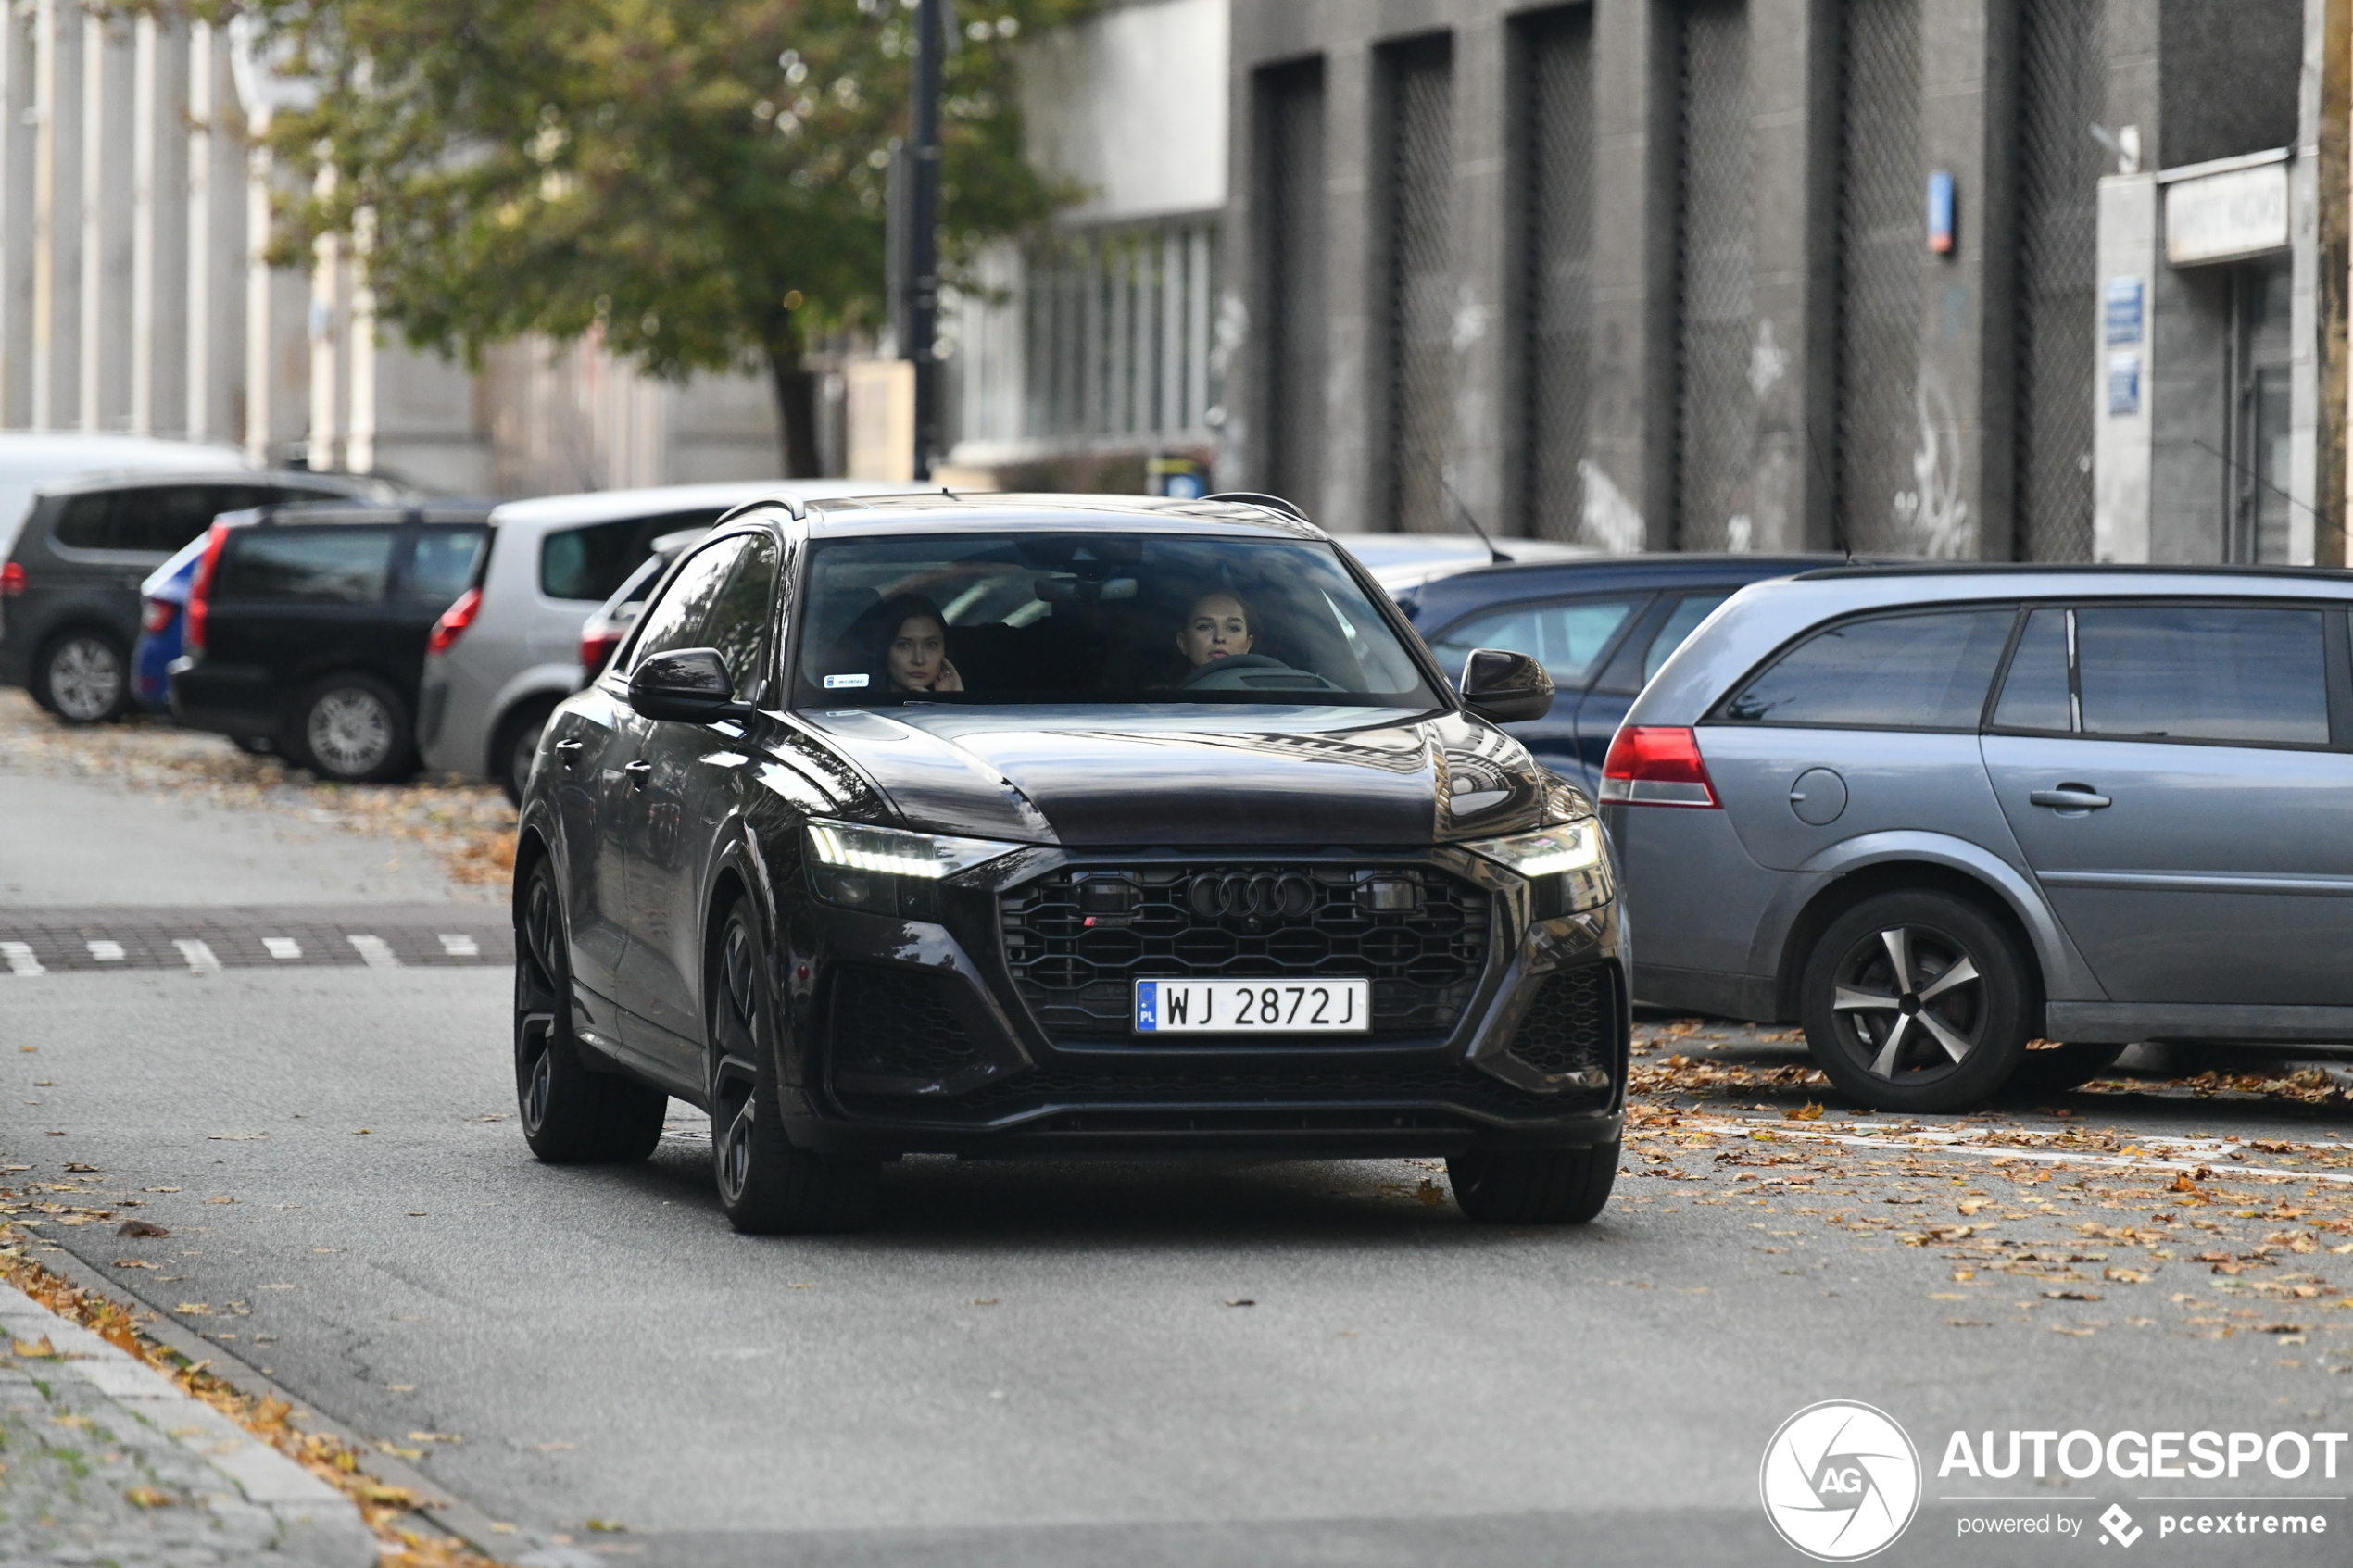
1216, 627
916, 657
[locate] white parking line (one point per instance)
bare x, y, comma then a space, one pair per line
104, 951
283, 947
375, 951
199, 954
460, 946
20, 958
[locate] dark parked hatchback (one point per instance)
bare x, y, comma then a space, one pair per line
69, 592
1030, 826
1601, 626
307, 626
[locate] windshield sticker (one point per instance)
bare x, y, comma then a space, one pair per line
845, 683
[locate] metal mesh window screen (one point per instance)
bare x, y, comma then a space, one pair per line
1117, 330
1556, 140
1881, 243
2059, 168
1716, 410
1291, 184
1420, 235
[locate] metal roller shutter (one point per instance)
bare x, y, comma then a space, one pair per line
1556, 110
1420, 189
1716, 410
2059, 168
1882, 416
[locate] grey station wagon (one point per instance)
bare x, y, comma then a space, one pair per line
1936, 815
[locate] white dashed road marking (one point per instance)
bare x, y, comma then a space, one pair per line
104, 951
375, 951
283, 947
460, 946
20, 958
199, 954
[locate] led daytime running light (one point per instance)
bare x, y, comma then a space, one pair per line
835, 849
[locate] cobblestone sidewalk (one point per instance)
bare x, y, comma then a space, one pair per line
103, 1461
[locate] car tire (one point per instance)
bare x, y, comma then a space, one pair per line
516, 744
354, 729
84, 677
1945, 1036
1559, 1187
571, 1115
2058, 1069
768, 1185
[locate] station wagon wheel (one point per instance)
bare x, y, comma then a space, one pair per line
569, 1114
767, 1185
83, 678
1916, 1003
353, 729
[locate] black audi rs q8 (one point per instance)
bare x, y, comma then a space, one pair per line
1067, 826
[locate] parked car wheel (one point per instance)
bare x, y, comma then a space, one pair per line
84, 678
570, 1116
766, 1186
517, 744
2058, 1069
354, 729
1563, 1186
1916, 1003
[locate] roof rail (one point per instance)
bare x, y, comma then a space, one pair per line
1259, 499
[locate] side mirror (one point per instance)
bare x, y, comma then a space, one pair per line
1505, 687
689, 686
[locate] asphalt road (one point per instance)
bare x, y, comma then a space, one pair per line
1035, 1363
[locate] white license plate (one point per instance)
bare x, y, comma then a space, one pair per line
1253, 1006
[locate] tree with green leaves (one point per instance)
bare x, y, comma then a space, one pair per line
700, 182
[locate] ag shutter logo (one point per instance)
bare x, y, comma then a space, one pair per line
1840, 1481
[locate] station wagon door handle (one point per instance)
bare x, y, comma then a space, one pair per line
2070, 796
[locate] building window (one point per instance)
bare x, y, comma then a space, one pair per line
1116, 327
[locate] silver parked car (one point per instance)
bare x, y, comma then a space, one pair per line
1936, 814
508, 650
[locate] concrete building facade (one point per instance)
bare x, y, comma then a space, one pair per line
1768, 274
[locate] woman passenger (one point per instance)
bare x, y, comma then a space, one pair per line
914, 655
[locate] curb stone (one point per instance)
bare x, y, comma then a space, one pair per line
260, 1502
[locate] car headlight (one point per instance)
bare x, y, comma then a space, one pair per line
1564, 864
889, 870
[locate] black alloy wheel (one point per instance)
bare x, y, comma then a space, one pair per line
354, 729
1560, 1187
570, 1116
767, 1186
84, 678
1916, 1002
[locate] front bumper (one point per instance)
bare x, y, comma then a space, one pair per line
925, 1036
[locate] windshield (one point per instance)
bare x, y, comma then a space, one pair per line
1124, 618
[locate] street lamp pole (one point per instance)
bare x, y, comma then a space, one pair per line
923, 240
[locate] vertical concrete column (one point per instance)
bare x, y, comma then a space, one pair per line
1485, 436
1962, 465
324, 437
57, 214
1629, 474
1350, 261
18, 123
159, 226
108, 67
1794, 96
2123, 411
259, 166
215, 244
360, 446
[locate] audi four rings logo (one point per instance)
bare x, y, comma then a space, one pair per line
1259, 895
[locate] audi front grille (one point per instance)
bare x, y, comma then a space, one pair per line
1078, 939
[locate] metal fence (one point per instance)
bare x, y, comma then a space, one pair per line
1715, 408
1556, 107
1418, 217
1881, 418
1117, 328
1290, 190
2059, 167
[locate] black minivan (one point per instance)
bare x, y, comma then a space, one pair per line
71, 585
307, 626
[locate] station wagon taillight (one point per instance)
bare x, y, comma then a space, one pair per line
454, 621
1653, 765
200, 590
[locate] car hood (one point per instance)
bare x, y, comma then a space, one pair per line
1194, 777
